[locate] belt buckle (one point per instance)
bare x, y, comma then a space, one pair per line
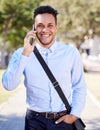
46, 116
55, 114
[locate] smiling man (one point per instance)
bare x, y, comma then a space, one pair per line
45, 110
46, 28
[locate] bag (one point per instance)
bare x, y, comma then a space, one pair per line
78, 125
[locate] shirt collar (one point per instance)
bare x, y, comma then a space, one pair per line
53, 48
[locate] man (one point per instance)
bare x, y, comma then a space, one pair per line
45, 110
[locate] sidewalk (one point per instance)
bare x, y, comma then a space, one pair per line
91, 113
13, 111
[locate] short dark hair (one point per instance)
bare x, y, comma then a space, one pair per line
46, 9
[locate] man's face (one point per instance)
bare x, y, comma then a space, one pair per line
46, 28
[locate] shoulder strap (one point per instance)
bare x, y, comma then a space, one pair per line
52, 79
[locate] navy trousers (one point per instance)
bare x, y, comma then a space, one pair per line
38, 122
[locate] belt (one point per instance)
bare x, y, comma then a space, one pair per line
49, 115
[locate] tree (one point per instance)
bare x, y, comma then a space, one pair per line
15, 21
94, 16
76, 17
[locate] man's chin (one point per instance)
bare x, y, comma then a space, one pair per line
45, 42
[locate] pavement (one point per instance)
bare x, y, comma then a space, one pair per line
91, 113
12, 112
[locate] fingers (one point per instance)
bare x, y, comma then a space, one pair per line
30, 35
29, 47
67, 119
60, 120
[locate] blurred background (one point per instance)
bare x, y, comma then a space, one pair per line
79, 25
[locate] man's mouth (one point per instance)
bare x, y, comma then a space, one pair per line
45, 35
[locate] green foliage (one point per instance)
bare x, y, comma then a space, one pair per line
16, 20
76, 17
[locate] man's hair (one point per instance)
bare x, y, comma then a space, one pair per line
46, 9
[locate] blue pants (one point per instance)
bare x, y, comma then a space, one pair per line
38, 122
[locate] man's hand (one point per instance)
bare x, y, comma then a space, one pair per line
67, 119
28, 48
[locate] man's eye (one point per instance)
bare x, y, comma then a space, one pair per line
40, 26
50, 26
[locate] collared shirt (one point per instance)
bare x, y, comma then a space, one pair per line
65, 63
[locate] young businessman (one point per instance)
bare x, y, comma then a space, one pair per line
45, 110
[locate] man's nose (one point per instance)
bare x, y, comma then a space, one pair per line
45, 29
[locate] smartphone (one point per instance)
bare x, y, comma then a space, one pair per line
32, 39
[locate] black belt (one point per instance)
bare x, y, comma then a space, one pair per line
49, 115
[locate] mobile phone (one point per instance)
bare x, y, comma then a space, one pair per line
32, 39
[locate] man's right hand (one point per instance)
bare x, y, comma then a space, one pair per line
28, 48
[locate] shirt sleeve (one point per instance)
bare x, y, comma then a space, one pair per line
78, 85
13, 74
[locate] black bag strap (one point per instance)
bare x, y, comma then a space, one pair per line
52, 79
